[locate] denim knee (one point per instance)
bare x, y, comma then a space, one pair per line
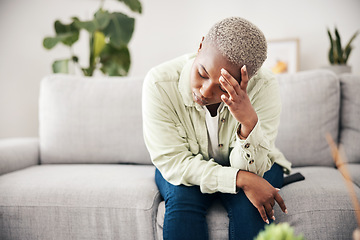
185, 210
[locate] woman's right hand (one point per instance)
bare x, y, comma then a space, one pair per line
260, 193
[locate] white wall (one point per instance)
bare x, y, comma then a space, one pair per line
166, 29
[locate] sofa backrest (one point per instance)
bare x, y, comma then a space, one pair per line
350, 117
310, 110
91, 120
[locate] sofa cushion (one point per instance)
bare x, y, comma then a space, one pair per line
320, 207
310, 110
350, 117
79, 202
91, 120
354, 171
18, 153
316, 203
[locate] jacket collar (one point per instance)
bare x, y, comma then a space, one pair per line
184, 83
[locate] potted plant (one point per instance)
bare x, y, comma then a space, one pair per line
109, 35
338, 56
281, 231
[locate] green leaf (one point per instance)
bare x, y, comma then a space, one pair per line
338, 47
115, 62
347, 52
134, 5
348, 47
70, 31
102, 18
89, 26
50, 42
100, 21
331, 50
120, 29
331, 55
61, 66
65, 28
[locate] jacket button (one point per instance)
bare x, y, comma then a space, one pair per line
248, 155
221, 145
251, 161
247, 145
223, 120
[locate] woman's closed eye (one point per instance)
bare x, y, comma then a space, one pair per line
203, 77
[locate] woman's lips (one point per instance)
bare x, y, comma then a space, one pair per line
199, 100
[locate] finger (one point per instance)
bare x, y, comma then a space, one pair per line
270, 211
272, 203
263, 214
226, 100
281, 203
228, 88
244, 78
232, 81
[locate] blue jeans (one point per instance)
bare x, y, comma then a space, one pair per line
186, 208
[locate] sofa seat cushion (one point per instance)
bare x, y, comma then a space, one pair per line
316, 203
354, 171
78, 202
320, 201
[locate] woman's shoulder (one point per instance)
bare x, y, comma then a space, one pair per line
170, 70
266, 74
261, 82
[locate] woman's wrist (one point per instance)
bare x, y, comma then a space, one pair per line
245, 128
241, 179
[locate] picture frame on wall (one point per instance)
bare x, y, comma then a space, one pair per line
283, 56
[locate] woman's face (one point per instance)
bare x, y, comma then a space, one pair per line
205, 74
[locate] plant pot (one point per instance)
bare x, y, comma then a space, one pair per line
339, 69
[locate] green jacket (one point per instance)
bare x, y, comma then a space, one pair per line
176, 136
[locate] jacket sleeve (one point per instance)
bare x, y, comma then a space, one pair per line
170, 150
252, 154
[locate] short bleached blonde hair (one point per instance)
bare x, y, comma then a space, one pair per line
240, 41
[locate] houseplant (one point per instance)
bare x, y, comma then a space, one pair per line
109, 35
338, 56
281, 231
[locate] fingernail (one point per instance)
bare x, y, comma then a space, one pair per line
244, 68
286, 211
278, 189
273, 218
223, 71
267, 221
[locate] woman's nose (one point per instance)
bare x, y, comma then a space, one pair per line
206, 90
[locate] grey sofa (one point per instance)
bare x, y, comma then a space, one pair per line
89, 176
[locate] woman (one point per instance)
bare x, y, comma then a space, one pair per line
210, 123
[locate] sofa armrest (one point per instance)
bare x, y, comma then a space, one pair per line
18, 153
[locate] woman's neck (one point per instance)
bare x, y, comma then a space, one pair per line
213, 109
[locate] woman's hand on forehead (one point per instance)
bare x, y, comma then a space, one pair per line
238, 101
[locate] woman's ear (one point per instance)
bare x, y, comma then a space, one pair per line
200, 46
